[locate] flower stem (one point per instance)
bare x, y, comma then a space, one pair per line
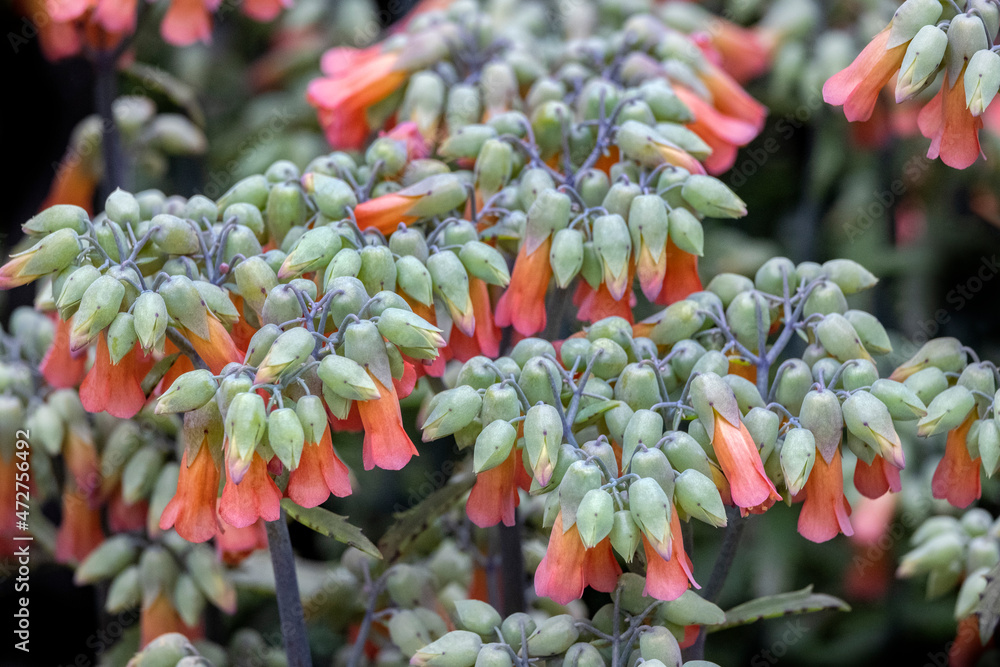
511, 567
286, 588
105, 90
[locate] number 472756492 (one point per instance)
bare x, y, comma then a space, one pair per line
22, 478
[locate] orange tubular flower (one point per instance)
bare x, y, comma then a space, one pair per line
60, 368
593, 305
159, 617
234, 544
750, 487
523, 303
255, 497
486, 340
218, 350
386, 444
75, 183
872, 481
191, 512
951, 127
568, 567
385, 213
264, 10
668, 579
730, 99
681, 278
825, 511
723, 133
113, 388
188, 21
857, 86
355, 80
956, 478
122, 517
494, 497
319, 474
80, 531
745, 53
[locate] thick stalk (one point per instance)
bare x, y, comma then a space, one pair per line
716, 581
286, 588
511, 567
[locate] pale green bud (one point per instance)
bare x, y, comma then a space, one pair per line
911, 16
150, 321
698, 496
454, 409
870, 331
451, 283
947, 411
594, 517
774, 274
477, 616
121, 336
798, 454
347, 378
848, 275
485, 262
658, 645
333, 196
926, 383
684, 453
687, 232
285, 209
543, 433
246, 215
966, 36
73, 289
691, 609
712, 198
989, 446
286, 437
458, 648
211, 576
173, 235
939, 551
255, 279
245, 420
710, 395
98, 308
188, 600
184, 304
650, 508
680, 320
903, 404
553, 636
762, 424
579, 478
826, 298
583, 655
125, 591
566, 255
821, 414
637, 386
107, 560
413, 278
59, 217
840, 339
312, 251
189, 392
287, 354
869, 420
921, 63
493, 445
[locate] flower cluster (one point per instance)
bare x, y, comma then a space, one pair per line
921, 41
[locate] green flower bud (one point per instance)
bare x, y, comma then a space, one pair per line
848, 275
464, 106
53, 252
644, 430
711, 395
648, 224
553, 636
971, 592
839, 338
485, 262
378, 269
798, 454
286, 436
347, 378
989, 446
691, 609
313, 251
251, 190
543, 433
189, 392
107, 560
140, 474
493, 445
921, 63
46, 427
926, 383
580, 477
451, 283
150, 321
566, 255
285, 208
911, 16
653, 463
413, 278
712, 198
686, 232
550, 121
173, 235
477, 616
125, 591
762, 425
648, 147
625, 534
458, 648
938, 551
774, 274
870, 331
903, 404
98, 308
121, 336
513, 626
453, 410
346, 263
500, 402
869, 420
821, 414
537, 379
826, 298
947, 411
966, 36
728, 285
333, 196
606, 358
650, 508
595, 517
979, 377
246, 215
436, 195
245, 421
287, 354
255, 280
698, 496
548, 213
56, 218
73, 289
614, 246
408, 631
583, 655
658, 645
185, 305
684, 453
166, 649
637, 386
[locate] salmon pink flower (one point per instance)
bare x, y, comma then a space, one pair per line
319, 474
951, 127
825, 511
667, 579
568, 567
80, 531
218, 349
494, 497
723, 133
188, 21
486, 339
114, 388
386, 443
60, 367
159, 617
191, 512
872, 481
356, 79
744, 53
255, 497
264, 10
857, 86
956, 478
233, 544
681, 277
593, 305
750, 487
523, 303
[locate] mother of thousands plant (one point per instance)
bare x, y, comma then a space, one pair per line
519, 247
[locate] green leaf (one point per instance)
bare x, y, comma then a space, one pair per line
772, 606
988, 608
332, 525
411, 523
